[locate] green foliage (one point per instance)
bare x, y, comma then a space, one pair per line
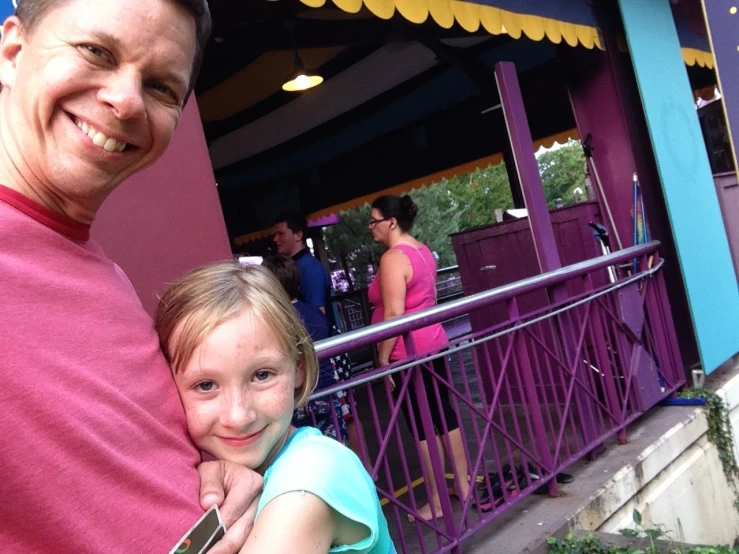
561, 172
592, 545
351, 247
644, 538
720, 434
453, 205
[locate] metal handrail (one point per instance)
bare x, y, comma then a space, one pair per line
397, 367
442, 312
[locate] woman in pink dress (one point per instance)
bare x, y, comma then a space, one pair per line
406, 283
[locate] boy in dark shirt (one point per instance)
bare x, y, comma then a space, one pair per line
325, 410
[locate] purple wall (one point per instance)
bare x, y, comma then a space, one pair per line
167, 219
606, 103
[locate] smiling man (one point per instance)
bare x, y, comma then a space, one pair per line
95, 455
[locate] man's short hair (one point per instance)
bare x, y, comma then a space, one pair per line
295, 221
287, 273
31, 12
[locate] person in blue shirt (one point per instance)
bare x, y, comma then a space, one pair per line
242, 361
289, 239
326, 412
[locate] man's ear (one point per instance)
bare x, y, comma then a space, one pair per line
11, 44
299, 235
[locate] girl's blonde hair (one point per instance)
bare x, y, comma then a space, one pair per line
206, 297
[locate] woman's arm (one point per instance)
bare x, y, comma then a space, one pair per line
301, 523
395, 272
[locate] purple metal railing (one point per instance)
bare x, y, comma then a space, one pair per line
531, 396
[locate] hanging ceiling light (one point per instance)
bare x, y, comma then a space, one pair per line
300, 78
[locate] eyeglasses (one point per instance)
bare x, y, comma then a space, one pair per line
373, 222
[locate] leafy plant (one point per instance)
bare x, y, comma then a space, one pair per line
590, 544
720, 434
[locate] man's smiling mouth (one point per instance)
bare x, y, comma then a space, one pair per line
99, 139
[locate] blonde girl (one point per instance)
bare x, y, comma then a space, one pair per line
242, 362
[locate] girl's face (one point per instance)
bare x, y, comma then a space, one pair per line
238, 390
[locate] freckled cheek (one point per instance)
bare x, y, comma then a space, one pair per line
201, 417
282, 401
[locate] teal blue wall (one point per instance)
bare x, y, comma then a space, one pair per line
687, 183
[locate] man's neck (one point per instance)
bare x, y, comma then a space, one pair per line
12, 175
51, 202
298, 250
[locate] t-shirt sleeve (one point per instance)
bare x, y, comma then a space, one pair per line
334, 474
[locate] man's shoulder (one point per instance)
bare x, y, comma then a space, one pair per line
311, 264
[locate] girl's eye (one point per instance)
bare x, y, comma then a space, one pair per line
205, 386
262, 375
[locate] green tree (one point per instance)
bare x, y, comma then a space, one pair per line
562, 171
452, 205
476, 195
351, 248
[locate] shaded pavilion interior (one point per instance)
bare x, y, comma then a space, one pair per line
402, 105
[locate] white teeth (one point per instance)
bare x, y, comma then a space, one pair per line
110, 145
99, 139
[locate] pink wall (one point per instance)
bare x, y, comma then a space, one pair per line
168, 219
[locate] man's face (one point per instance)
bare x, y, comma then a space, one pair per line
94, 92
287, 242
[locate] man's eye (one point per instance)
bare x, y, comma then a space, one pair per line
163, 90
96, 52
205, 386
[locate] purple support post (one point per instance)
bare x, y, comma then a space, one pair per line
722, 21
594, 96
525, 163
541, 225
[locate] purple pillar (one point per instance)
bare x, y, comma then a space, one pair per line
722, 22
594, 95
525, 163
541, 226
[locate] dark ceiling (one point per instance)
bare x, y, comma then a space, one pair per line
316, 169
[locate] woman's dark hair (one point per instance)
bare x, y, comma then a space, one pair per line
403, 209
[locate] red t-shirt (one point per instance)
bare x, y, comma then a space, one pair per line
94, 454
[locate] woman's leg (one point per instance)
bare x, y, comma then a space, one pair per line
425, 512
443, 409
459, 459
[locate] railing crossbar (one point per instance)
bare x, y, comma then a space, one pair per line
371, 376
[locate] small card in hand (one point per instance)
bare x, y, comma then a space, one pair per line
201, 537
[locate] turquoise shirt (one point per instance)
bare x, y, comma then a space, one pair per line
329, 470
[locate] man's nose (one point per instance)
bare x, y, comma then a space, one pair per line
123, 92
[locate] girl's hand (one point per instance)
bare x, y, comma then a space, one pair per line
390, 382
